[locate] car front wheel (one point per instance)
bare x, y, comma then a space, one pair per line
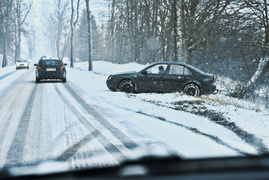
127, 86
192, 90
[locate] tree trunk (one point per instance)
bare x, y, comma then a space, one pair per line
175, 23
6, 31
73, 25
18, 27
89, 35
72, 34
262, 64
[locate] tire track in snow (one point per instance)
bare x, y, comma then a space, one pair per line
218, 118
128, 142
109, 146
10, 98
6, 125
6, 75
14, 83
15, 153
72, 150
194, 130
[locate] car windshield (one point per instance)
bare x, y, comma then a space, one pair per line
21, 60
137, 78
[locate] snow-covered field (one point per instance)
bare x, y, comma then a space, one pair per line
206, 126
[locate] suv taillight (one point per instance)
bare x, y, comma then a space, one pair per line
212, 80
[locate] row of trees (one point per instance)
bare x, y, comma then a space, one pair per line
62, 33
217, 36
13, 14
70, 34
224, 37
142, 31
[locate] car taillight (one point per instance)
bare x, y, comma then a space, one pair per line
62, 67
212, 80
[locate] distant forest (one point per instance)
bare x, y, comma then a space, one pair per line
228, 38
224, 37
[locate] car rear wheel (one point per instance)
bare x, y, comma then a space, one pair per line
127, 86
37, 80
192, 90
64, 79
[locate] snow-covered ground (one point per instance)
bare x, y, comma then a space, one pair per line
206, 126
213, 116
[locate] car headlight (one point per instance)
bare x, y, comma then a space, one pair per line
109, 77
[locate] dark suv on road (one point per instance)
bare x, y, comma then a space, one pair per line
50, 68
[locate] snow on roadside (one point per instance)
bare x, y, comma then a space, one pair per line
224, 102
105, 68
8, 68
201, 124
8, 75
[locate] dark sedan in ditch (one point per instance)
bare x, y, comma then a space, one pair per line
164, 77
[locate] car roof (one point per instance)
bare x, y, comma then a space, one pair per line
169, 63
178, 63
50, 59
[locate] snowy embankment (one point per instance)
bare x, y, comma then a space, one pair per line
238, 125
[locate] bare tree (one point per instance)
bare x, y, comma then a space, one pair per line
6, 8
57, 22
20, 19
72, 26
31, 41
198, 20
141, 31
61, 9
258, 9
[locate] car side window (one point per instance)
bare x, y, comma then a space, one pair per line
157, 69
187, 71
179, 70
176, 70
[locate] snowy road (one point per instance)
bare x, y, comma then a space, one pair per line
51, 120
84, 124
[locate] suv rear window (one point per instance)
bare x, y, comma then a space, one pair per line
50, 63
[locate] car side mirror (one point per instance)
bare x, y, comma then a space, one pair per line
65, 64
145, 73
35, 64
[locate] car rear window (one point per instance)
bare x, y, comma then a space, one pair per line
50, 63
